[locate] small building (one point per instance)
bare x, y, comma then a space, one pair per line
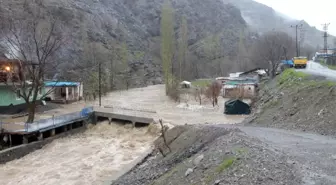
240, 88
63, 92
185, 84
10, 80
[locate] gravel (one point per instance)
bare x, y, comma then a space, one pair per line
214, 155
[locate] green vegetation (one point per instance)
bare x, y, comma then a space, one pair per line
167, 42
226, 164
201, 83
291, 77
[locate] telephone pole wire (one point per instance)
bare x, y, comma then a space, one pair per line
297, 26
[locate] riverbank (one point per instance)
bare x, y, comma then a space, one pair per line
297, 101
210, 154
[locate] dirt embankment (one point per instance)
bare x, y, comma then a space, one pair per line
297, 101
212, 155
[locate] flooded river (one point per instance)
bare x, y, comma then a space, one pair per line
88, 158
103, 151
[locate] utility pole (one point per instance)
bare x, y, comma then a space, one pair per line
99, 81
297, 26
325, 36
302, 39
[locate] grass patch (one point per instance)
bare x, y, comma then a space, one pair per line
201, 82
290, 77
226, 164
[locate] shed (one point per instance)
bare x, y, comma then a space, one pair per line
185, 84
236, 106
64, 92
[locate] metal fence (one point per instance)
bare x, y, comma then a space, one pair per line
57, 121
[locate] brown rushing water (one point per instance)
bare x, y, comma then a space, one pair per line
91, 157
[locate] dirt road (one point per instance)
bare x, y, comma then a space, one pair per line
314, 155
315, 68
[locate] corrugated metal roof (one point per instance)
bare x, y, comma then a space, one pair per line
60, 84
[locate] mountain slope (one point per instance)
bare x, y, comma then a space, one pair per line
137, 22
263, 18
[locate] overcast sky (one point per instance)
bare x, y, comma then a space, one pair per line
314, 12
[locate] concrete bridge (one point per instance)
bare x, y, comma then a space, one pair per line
24, 133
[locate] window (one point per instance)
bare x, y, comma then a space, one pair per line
18, 94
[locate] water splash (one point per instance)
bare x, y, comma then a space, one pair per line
87, 158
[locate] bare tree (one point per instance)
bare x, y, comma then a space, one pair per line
33, 38
213, 91
270, 49
199, 91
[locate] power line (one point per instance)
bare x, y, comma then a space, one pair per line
325, 36
297, 26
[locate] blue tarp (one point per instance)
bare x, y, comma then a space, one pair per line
60, 84
288, 62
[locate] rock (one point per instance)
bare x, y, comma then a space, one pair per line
333, 157
198, 160
189, 171
217, 182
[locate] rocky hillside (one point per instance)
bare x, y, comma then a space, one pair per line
262, 18
137, 22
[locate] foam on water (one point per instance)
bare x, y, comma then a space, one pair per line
87, 158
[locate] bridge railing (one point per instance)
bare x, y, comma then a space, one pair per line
57, 121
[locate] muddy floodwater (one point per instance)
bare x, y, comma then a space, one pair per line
91, 157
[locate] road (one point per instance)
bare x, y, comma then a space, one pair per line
315, 68
314, 155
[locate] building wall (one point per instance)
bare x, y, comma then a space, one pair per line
8, 97
245, 91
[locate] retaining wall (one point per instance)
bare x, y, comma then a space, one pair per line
22, 150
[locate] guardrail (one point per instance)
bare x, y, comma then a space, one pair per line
55, 121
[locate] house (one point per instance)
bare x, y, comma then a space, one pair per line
10, 79
240, 88
63, 92
255, 74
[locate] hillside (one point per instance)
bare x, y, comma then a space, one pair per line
137, 22
262, 18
